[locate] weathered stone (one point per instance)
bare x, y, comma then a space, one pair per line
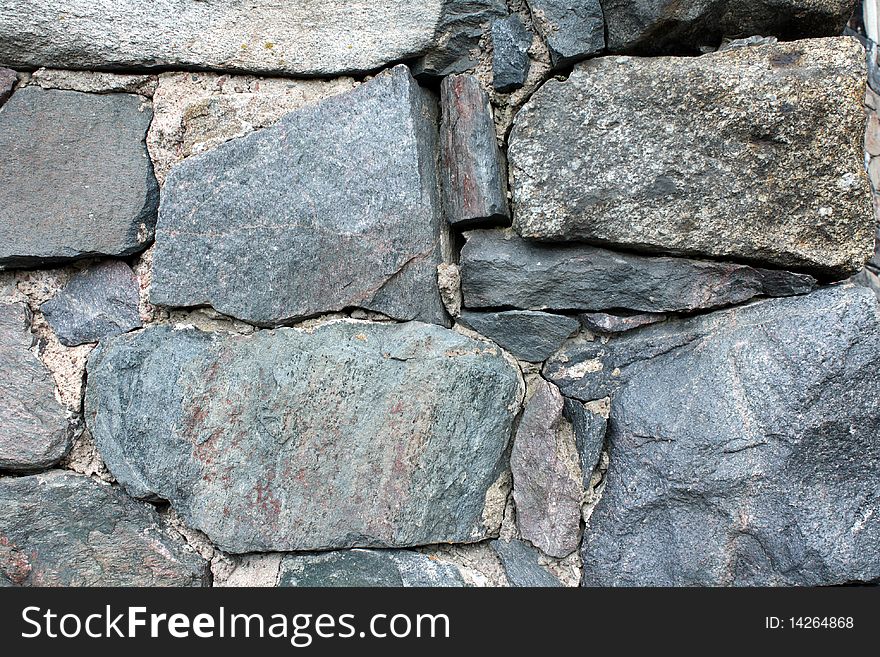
33, 426
547, 479
456, 43
573, 29
353, 434
374, 568
75, 179
8, 80
768, 169
498, 269
65, 529
474, 172
668, 26
589, 423
321, 38
605, 323
867, 278
743, 447
527, 335
511, 41
521, 564
334, 206
96, 303
95, 82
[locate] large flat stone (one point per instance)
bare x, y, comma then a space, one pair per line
499, 269
319, 37
659, 26
348, 435
744, 446
64, 529
371, 568
34, 432
75, 178
335, 206
753, 153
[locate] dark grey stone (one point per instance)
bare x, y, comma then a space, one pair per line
96, 303
668, 26
350, 434
8, 80
34, 431
457, 36
335, 206
521, 564
499, 269
372, 568
547, 478
64, 529
511, 41
689, 164
746, 450
75, 177
474, 171
528, 335
573, 29
605, 323
590, 427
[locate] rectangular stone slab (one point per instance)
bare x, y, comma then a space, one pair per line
351, 434
753, 153
335, 206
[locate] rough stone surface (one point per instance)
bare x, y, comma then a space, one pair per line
743, 446
474, 171
96, 303
8, 80
573, 29
547, 480
75, 179
462, 25
526, 334
354, 434
95, 82
33, 426
195, 112
691, 164
334, 206
589, 423
511, 41
605, 323
321, 38
64, 529
499, 269
373, 568
668, 26
521, 564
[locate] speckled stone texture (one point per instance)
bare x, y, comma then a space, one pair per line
352, 434
8, 80
511, 41
704, 155
372, 568
573, 29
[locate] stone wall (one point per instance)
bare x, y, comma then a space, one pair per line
524, 293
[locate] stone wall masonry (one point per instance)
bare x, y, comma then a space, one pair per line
494, 293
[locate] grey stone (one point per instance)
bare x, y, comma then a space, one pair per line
526, 334
547, 479
474, 171
744, 447
334, 206
34, 431
590, 427
65, 529
511, 41
499, 269
605, 323
316, 38
372, 568
350, 434
768, 170
521, 564
867, 278
75, 177
8, 80
96, 303
456, 43
573, 29
668, 26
